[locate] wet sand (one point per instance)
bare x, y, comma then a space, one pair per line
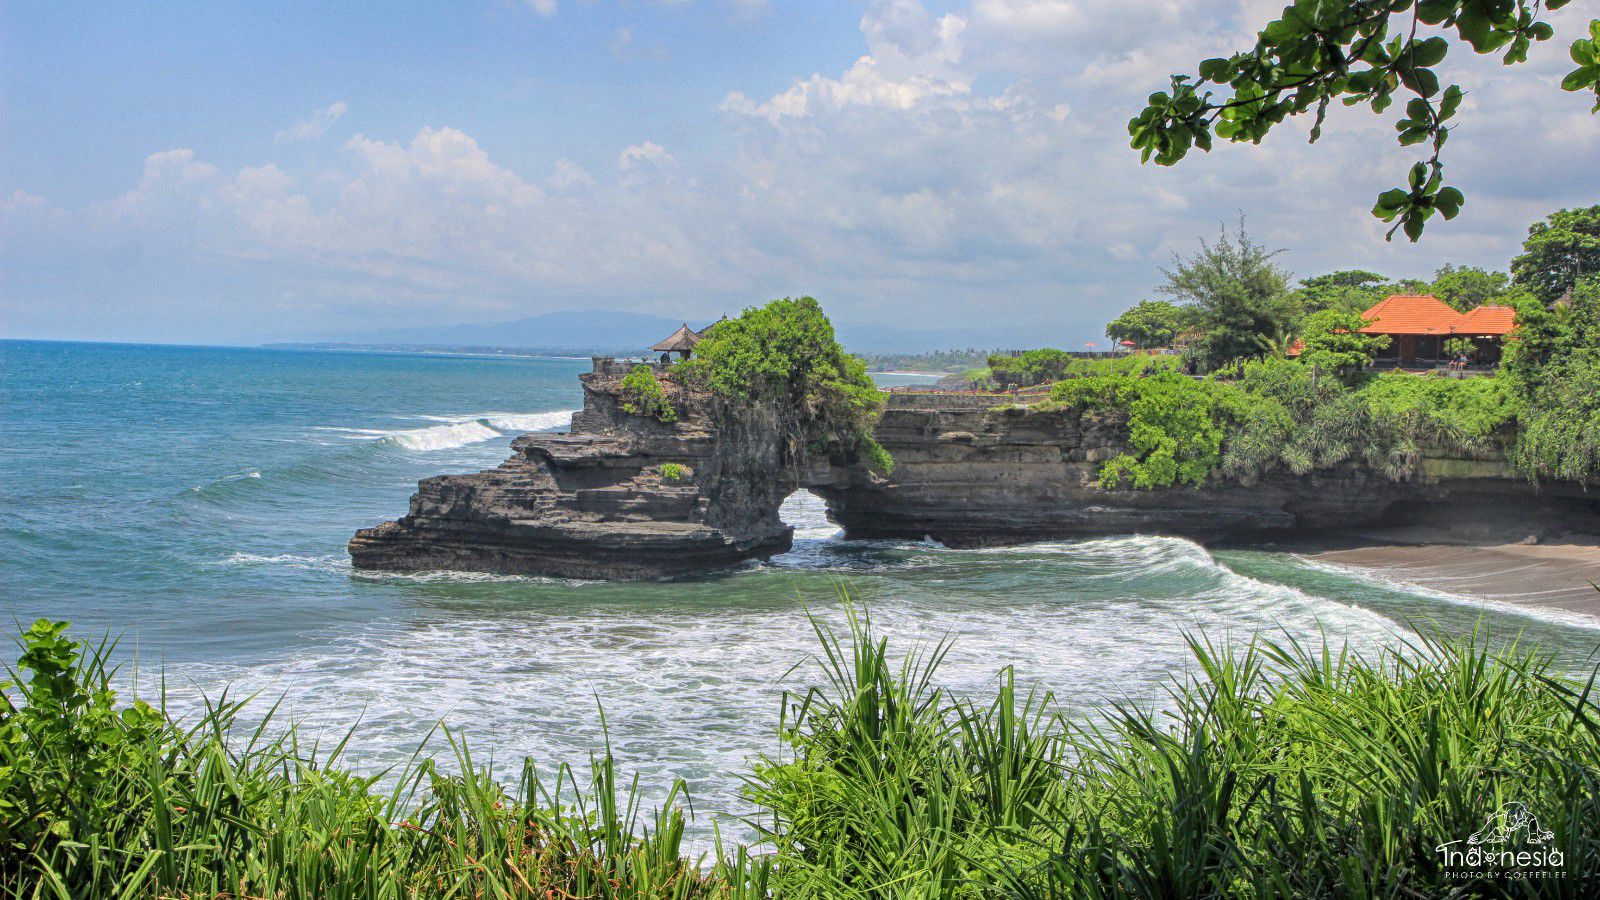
1556, 573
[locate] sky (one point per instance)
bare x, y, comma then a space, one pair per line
232, 173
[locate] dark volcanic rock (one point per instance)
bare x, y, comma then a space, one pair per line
970, 475
594, 504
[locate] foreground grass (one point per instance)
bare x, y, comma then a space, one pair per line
1282, 770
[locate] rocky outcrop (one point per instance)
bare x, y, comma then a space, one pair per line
602, 502
597, 503
969, 473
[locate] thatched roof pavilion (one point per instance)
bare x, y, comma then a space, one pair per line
681, 341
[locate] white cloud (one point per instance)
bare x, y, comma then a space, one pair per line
543, 7
314, 125
649, 152
972, 159
569, 176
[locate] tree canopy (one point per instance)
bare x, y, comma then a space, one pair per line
1348, 290
785, 353
1467, 287
1355, 52
1333, 339
1241, 298
1153, 323
1559, 251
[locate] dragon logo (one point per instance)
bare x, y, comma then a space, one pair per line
1505, 823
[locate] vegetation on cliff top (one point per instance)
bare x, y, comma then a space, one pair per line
1272, 414
785, 353
1280, 770
1555, 366
1258, 411
643, 395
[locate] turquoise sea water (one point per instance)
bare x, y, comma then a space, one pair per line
198, 500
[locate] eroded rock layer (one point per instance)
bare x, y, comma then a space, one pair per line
602, 502
620, 497
969, 474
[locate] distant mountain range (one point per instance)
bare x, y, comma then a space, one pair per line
582, 332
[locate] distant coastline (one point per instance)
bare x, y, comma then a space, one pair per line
454, 350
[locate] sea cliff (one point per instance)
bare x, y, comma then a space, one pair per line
970, 470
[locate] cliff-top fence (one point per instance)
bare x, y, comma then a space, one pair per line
924, 398
612, 365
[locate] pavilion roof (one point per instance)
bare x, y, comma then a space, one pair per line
1489, 321
1412, 314
681, 341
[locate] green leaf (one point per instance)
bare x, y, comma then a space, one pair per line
1216, 70
1450, 101
1519, 50
1448, 201
1423, 81
1578, 79
1435, 11
1429, 52
1391, 200
1413, 227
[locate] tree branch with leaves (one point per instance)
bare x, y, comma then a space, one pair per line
1355, 52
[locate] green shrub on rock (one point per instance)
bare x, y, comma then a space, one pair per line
643, 395
785, 354
1175, 425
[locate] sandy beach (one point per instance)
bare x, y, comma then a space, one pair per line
1555, 573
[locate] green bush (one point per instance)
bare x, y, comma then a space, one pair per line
1555, 362
1273, 770
1131, 364
1030, 368
1560, 434
1175, 425
1263, 415
1333, 341
1043, 366
643, 395
98, 800
671, 471
1468, 415
785, 354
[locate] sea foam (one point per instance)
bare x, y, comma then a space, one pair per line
442, 437
459, 431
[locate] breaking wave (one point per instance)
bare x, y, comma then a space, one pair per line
290, 560
513, 422
459, 431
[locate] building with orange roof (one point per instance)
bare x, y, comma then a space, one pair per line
1489, 321
1419, 324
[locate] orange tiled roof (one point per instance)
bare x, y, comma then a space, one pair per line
1489, 321
1412, 314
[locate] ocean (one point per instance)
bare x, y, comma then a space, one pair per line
196, 502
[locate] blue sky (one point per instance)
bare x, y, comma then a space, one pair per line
232, 173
